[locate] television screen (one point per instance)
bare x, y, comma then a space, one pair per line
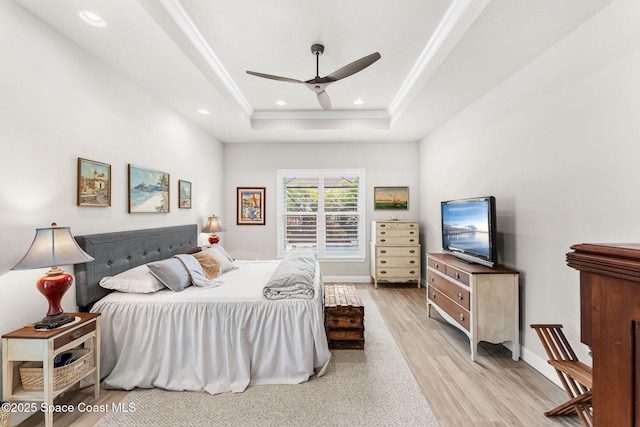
469, 229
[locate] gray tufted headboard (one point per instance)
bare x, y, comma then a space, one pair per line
119, 251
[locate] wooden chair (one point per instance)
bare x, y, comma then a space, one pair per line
575, 376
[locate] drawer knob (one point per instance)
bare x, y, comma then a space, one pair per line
352, 320
412, 240
383, 225
383, 262
457, 275
383, 251
460, 296
412, 232
383, 240
461, 317
437, 265
383, 272
432, 279
336, 320
433, 295
412, 225
412, 251
413, 261
412, 272
383, 232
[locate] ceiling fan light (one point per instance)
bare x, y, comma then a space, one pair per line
92, 18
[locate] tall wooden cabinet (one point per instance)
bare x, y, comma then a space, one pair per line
395, 251
610, 325
480, 301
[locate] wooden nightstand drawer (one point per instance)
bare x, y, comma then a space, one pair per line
73, 335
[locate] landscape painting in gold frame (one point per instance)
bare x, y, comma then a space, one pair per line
394, 198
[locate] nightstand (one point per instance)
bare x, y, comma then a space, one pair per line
28, 344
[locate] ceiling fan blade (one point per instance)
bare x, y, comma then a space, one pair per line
272, 77
354, 67
323, 99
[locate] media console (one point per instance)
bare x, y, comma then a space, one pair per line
481, 301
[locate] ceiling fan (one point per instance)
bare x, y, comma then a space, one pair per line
319, 84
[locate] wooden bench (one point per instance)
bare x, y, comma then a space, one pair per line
343, 317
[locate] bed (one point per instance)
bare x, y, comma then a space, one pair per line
219, 337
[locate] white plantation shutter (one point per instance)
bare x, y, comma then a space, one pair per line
322, 210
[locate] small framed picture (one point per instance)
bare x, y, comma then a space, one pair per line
251, 206
395, 198
148, 190
184, 194
94, 183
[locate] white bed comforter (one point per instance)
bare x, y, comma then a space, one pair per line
213, 339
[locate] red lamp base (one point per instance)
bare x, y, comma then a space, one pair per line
213, 239
53, 286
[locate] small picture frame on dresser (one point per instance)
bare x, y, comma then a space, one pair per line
395, 198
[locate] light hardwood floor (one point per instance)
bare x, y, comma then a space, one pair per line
493, 391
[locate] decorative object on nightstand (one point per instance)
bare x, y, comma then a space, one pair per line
213, 226
52, 247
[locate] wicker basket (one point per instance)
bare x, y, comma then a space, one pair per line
32, 373
5, 418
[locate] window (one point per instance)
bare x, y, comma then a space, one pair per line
322, 210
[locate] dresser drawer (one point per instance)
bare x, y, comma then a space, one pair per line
458, 294
458, 275
387, 261
397, 251
397, 233
404, 273
457, 313
397, 225
407, 240
436, 265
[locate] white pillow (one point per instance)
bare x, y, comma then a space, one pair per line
136, 280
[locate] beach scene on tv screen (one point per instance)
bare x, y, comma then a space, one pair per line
465, 227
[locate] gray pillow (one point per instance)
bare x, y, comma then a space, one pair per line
171, 272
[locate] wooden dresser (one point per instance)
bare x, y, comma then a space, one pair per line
395, 251
610, 325
480, 301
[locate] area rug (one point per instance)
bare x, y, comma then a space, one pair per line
370, 387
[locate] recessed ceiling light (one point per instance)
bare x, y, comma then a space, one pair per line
281, 102
203, 111
358, 101
92, 18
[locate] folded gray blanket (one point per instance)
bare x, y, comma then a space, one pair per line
293, 278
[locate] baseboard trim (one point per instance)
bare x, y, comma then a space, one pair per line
539, 364
354, 279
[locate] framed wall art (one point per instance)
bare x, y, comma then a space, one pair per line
148, 190
94, 183
251, 205
395, 198
184, 194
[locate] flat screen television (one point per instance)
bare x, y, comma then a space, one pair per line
469, 230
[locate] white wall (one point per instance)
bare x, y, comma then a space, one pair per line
557, 144
57, 104
255, 165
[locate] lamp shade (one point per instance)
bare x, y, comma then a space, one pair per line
213, 225
52, 246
